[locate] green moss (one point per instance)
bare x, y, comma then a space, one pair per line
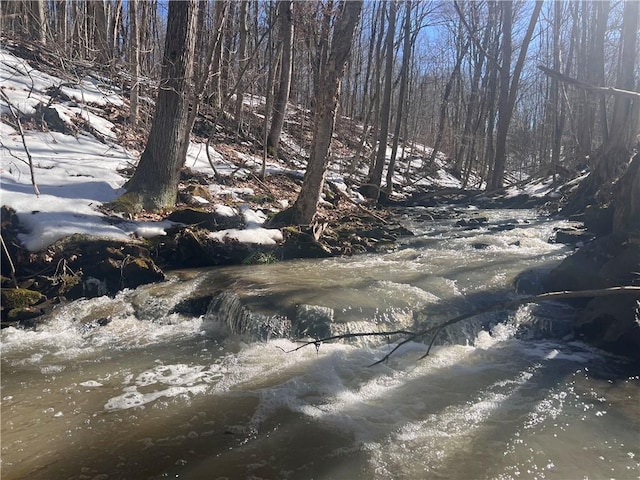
260, 198
260, 258
13, 298
129, 202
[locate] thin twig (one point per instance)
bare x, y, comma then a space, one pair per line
11, 265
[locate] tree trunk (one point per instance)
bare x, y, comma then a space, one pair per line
285, 18
243, 31
445, 101
38, 21
155, 182
509, 86
626, 218
404, 81
372, 189
305, 207
624, 119
98, 17
220, 9
134, 61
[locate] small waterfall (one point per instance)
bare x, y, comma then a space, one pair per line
227, 313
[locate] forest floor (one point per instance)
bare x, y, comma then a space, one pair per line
63, 238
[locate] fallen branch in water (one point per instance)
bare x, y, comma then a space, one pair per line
436, 329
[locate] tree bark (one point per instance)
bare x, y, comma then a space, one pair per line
155, 181
372, 188
404, 81
509, 87
243, 32
285, 19
38, 21
134, 61
305, 207
626, 218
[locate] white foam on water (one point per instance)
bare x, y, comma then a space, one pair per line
133, 398
91, 383
133, 318
338, 389
432, 444
169, 380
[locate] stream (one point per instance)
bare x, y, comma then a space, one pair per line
137, 387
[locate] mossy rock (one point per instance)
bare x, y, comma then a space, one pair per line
20, 298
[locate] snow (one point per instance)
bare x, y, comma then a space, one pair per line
256, 236
76, 174
225, 211
253, 233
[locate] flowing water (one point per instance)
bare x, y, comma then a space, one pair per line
136, 387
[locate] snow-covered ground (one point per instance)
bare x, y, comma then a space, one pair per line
76, 173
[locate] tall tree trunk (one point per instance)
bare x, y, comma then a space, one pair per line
285, 19
154, 184
509, 86
555, 104
220, 12
445, 101
134, 61
404, 81
38, 21
372, 188
98, 18
243, 32
464, 158
306, 205
624, 121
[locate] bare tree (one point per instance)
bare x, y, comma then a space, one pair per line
243, 32
285, 21
154, 184
328, 94
402, 94
372, 188
134, 61
509, 86
612, 157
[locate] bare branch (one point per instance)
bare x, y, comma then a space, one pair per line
587, 86
11, 265
436, 329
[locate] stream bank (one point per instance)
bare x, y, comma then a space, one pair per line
84, 267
